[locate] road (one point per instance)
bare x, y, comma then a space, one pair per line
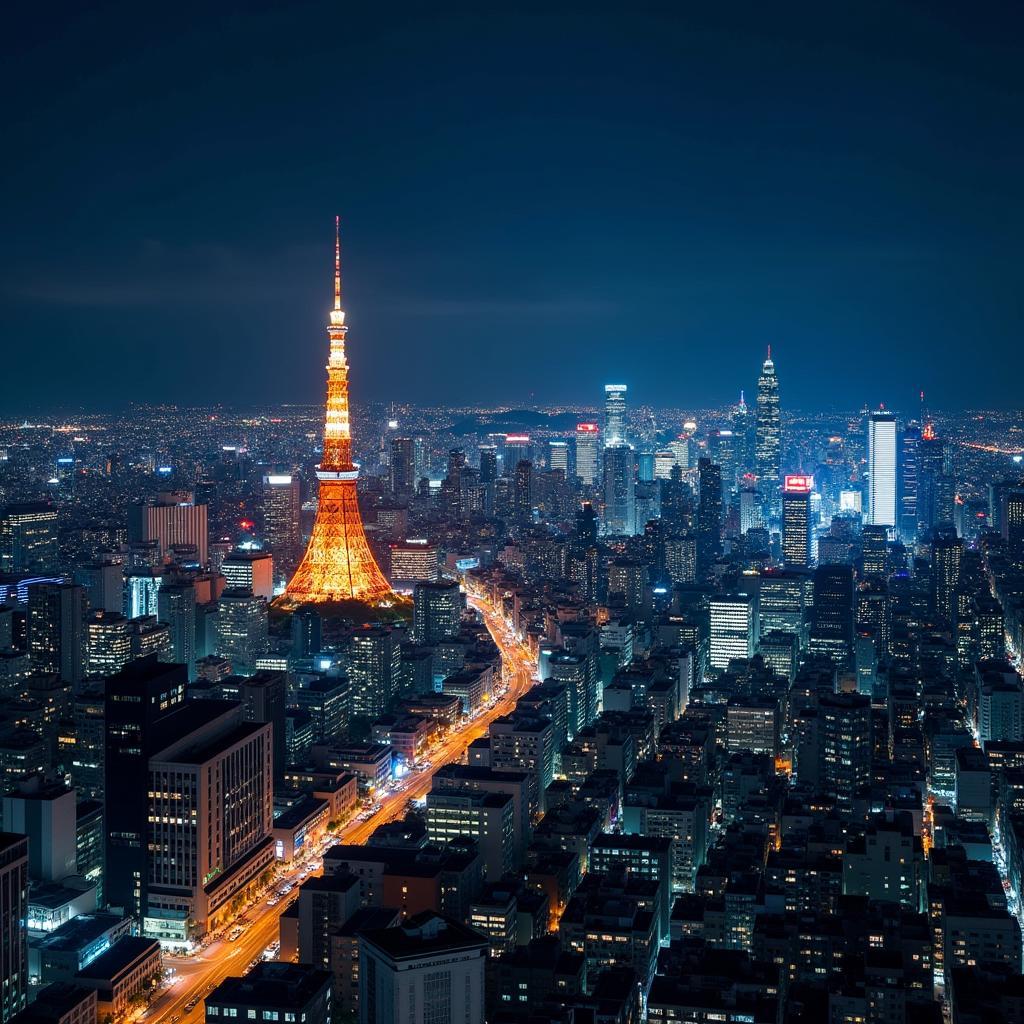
199, 974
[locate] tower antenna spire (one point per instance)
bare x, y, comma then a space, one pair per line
337, 262
769, 351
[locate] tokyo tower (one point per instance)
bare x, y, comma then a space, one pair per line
338, 564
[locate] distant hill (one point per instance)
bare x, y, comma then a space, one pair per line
515, 421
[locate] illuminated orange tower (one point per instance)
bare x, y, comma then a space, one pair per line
338, 564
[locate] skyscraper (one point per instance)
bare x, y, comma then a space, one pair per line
910, 439
403, 467
882, 469
174, 519
241, 629
374, 667
56, 629
587, 435
282, 532
28, 538
619, 491
13, 930
558, 456
436, 612
614, 414
768, 433
709, 515
797, 533
832, 627
176, 604
338, 563
733, 620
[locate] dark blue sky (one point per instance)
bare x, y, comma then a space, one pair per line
535, 199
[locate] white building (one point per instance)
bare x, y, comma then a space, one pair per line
733, 628
882, 469
426, 970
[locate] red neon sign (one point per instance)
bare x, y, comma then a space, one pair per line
587, 428
799, 484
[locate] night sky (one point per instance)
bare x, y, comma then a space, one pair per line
534, 200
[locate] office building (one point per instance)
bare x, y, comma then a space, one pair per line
709, 515
797, 527
324, 903
328, 700
619, 491
428, 970
45, 812
60, 1003
403, 467
282, 518
104, 585
846, 746
436, 612
56, 630
907, 510
210, 810
414, 561
142, 706
518, 448
614, 415
374, 669
13, 915
242, 635
587, 438
733, 628
173, 519
882, 469
486, 818
250, 570
28, 538
832, 616
558, 456
108, 643
176, 606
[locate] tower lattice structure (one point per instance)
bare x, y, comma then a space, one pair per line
338, 564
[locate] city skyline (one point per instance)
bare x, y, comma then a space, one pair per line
674, 198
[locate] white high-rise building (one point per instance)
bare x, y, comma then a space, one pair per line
586, 452
881, 469
614, 414
558, 456
733, 628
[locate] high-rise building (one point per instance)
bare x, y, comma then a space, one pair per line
733, 628
797, 532
209, 810
768, 434
846, 746
241, 629
140, 702
709, 515
414, 561
832, 616
104, 585
374, 669
176, 606
306, 632
108, 643
429, 963
45, 812
907, 511
488, 464
13, 918
403, 467
56, 629
28, 538
518, 448
587, 435
250, 570
614, 415
282, 529
558, 456
947, 551
522, 490
882, 469
338, 563
173, 519
619, 491
436, 612
935, 490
